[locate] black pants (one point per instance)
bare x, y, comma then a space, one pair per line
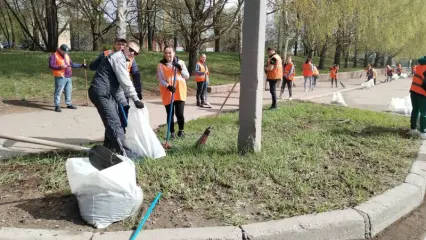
289, 84
201, 92
272, 90
107, 107
335, 80
178, 109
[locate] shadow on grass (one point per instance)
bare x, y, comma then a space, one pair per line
373, 131
31, 104
54, 207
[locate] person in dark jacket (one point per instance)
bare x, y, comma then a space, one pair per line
133, 69
110, 81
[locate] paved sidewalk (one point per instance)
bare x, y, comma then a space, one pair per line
84, 124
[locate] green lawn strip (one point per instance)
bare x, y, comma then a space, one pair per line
24, 75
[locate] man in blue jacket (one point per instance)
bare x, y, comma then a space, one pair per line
132, 67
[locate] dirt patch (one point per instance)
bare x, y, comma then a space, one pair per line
411, 227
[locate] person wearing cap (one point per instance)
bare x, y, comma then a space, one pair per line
133, 69
61, 65
110, 80
274, 73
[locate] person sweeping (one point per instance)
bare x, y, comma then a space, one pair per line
418, 100
172, 75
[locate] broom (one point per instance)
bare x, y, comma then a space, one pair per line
166, 145
203, 139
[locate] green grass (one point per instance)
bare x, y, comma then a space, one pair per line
25, 74
309, 163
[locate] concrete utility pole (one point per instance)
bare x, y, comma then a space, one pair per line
121, 19
252, 70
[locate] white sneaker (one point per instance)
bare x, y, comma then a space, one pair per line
306, 90
413, 132
289, 98
423, 136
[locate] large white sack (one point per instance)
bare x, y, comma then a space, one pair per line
401, 105
104, 196
338, 99
139, 135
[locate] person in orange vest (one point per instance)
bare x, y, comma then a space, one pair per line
288, 76
308, 72
418, 100
169, 70
334, 71
274, 73
202, 79
413, 70
315, 75
61, 64
111, 78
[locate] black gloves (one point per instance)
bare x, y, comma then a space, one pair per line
140, 95
177, 65
139, 104
171, 88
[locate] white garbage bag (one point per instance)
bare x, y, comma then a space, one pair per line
139, 135
104, 196
395, 77
338, 99
401, 105
403, 75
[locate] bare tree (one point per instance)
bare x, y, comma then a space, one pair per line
194, 18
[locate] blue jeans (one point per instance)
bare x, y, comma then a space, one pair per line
60, 84
310, 82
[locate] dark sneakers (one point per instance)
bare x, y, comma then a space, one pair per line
181, 133
59, 109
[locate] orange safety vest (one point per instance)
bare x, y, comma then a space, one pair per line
316, 72
416, 85
59, 62
287, 70
307, 70
204, 69
129, 64
181, 90
333, 72
277, 72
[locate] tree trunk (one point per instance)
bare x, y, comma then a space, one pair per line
382, 60
12, 29
193, 51
295, 43
355, 64
366, 55
121, 19
279, 38
338, 53
346, 58
376, 59
175, 41
52, 25
149, 24
323, 55
389, 61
